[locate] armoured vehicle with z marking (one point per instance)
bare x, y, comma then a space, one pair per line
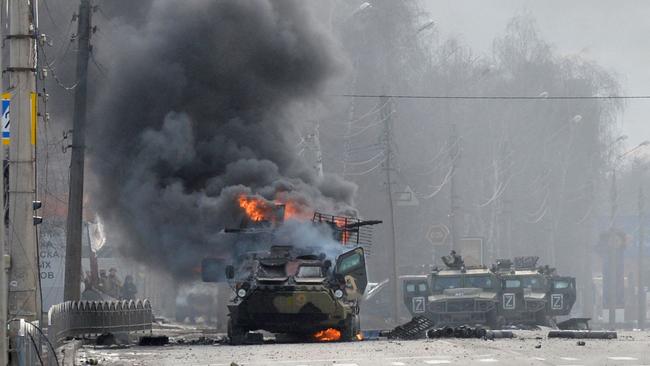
455, 295
533, 295
509, 293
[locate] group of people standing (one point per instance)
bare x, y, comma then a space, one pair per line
111, 285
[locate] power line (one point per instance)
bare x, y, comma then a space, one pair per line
494, 97
54, 74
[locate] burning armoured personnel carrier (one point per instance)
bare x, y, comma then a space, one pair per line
533, 295
456, 295
306, 290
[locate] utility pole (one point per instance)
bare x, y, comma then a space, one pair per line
640, 282
454, 155
74, 223
3, 269
24, 287
386, 112
506, 200
611, 288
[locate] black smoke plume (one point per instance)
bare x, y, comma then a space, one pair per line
197, 109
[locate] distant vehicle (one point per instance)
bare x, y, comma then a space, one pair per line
533, 295
518, 293
295, 291
456, 295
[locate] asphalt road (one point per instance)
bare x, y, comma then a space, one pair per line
632, 348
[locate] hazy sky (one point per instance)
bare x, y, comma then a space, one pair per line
614, 33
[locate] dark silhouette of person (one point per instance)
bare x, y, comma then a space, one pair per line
128, 290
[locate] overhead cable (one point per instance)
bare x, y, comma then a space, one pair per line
494, 97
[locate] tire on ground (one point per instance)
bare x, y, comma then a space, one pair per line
236, 334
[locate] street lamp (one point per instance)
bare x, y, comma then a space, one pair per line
429, 24
641, 294
637, 147
610, 291
361, 8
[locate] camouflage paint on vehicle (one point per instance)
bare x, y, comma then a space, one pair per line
300, 295
294, 289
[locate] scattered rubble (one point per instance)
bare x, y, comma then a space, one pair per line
415, 329
105, 339
200, 341
587, 334
153, 340
574, 324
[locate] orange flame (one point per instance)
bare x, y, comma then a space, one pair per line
295, 211
255, 207
345, 233
258, 208
328, 335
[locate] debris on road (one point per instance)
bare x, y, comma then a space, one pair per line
153, 341
587, 334
499, 334
200, 341
415, 329
105, 339
574, 324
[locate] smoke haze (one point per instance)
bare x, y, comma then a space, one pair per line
196, 102
197, 110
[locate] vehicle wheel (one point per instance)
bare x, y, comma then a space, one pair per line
236, 335
495, 321
352, 327
542, 319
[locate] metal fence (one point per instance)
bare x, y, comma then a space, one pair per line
30, 346
88, 318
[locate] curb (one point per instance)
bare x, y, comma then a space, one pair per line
67, 353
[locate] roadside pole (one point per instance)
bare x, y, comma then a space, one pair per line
72, 286
386, 112
641, 280
3, 274
24, 286
610, 290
